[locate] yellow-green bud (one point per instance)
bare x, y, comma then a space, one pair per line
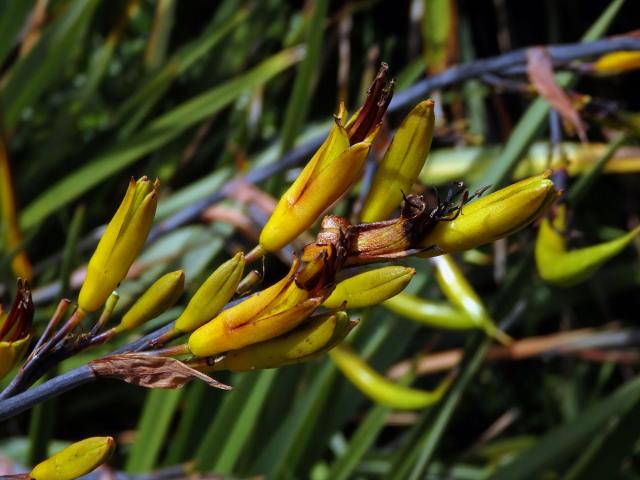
214, 293
492, 217
433, 313
378, 388
370, 288
76, 460
310, 339
160, 296
461, 294
120, 244
558, 266
401, 164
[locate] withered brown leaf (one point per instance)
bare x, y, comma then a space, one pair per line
541, 76
150, 371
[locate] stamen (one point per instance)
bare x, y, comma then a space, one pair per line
378, 98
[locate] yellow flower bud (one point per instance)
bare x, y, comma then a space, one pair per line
160, 296
267, 314
432, 313
214, 293
558, 266
309, 340
378, 388
331, 172
76, 460
401, 164
617, 62
120, 244
492, 217
370, 288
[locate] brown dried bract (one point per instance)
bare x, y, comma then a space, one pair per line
541, 76
150, 371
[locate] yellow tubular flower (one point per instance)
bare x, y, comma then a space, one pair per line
429, 312
212, 295
617, 62
160, 296
309, 340
120, 244
558, 266
334, 168
492, 217
378, 388
461, 294
267, 314
370, 288
401, 164
331, 172
76, 460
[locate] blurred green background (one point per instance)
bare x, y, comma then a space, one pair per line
94, 92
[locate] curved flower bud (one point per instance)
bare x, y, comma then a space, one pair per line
76, 460
401, 164
432, 313
461, 294
160, 296
15, 328
120, 244
370, 288
558, 266
378, 388
490, 218
267, 314
309, 340
213, 295
331, 172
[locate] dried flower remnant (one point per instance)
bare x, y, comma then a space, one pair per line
150, 371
